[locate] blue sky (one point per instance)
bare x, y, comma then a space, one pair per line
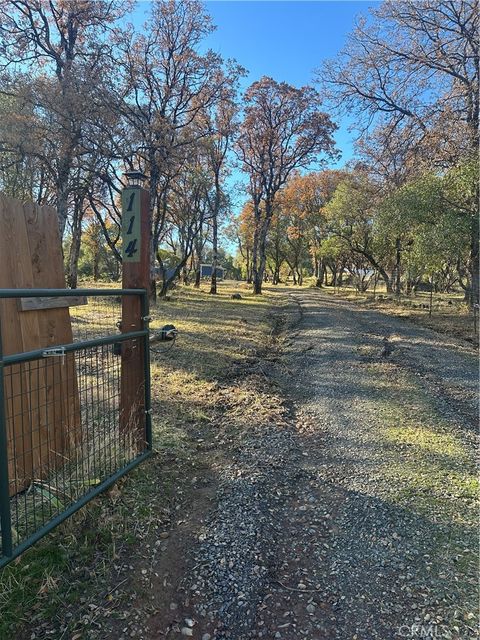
286, 40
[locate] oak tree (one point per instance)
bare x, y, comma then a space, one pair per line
414, 66
282, 130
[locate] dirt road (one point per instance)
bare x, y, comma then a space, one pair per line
352, 515
330, 495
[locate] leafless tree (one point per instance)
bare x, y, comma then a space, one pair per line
53, 55
187, 214
166, 85
220, 120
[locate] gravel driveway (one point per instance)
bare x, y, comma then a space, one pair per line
351, 514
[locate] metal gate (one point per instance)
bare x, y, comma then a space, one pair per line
73, 417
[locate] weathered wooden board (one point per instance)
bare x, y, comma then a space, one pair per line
42, 404
36, 304
23, 446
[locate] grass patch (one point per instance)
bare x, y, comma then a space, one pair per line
431, 466
214, 331
427, 440
29, 584
429, 471
450, 315
77, 562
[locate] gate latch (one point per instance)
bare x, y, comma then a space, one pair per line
55, 352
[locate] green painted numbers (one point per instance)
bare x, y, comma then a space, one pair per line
131, 240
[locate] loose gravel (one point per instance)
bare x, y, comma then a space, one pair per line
319, 532
236, 552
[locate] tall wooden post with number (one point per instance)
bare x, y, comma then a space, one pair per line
136, 275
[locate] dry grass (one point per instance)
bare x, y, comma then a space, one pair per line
450, 315
216, 334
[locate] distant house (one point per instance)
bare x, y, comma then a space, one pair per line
206, 271
424, 286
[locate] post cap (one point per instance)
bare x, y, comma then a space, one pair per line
135, 178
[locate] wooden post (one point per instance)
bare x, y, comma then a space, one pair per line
136, 275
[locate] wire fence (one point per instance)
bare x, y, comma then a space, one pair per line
100, 317
73, 418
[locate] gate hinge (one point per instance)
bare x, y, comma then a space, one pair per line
146, 318
55, 352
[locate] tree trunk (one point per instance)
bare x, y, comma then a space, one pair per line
198, 261
261, 261
158, 209
257, 283
96, 266
213, 283
198, 257
467, 285
197, 277
62, 194
259, 275
382, 272
339, 278
62, 212
248, 266
375, 281
334, 269
430, 298
315, 271
72, 275
398, 258
153, 275
319, 273
474, 266
180, 268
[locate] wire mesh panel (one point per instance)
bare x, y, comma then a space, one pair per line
73, 418
100, 317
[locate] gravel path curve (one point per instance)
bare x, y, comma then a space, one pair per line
351, 515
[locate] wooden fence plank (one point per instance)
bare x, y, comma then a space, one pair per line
42, 404
37, 304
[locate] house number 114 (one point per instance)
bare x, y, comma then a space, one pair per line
131, 225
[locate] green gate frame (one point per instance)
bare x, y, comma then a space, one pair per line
10, 550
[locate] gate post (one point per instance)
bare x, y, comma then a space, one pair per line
135, 392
